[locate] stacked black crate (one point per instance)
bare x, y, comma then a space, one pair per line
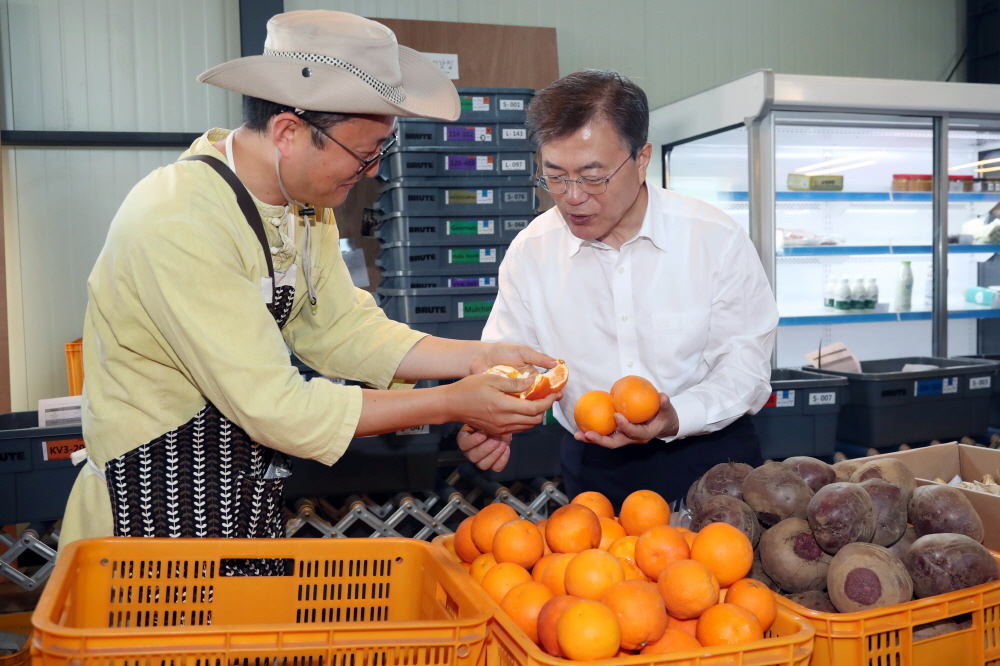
455, 195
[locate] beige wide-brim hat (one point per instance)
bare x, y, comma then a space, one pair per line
322, 60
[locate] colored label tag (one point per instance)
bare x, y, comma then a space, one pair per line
484, 196
461, 197
60, 449
471, 227
472, 282
415, 430
513, 165
935, 386
474, 309
513, 134
781, 399
980, 382
515, 197
461, 163
512, 105
468, 133
471, 256
476, 104
512, 225
825, 398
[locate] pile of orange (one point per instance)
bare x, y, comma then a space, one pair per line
586, 584
633, 397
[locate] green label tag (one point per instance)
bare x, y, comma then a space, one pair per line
462, 227
466, 103
474, 309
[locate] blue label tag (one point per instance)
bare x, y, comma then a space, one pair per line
936, 386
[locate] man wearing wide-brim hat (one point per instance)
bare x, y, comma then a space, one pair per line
215, 266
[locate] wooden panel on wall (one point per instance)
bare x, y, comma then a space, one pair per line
486, 59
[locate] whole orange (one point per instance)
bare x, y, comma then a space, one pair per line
540, 565
643, 509
688, 589
523, 604
611, 531
520, 542
572, 529
481, 565
657, 547
503, 578
488, 521
464, 546
595, 411
641, 614
590, 573
597, 503
728, 624
635, 398
554, 576
548, 618
726, 550
624, 547
756, 597
673, 640
632, 570
588, 630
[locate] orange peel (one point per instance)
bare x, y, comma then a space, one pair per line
544, 384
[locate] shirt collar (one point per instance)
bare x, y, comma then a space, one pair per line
650, 228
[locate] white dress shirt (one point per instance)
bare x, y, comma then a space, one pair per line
684, 303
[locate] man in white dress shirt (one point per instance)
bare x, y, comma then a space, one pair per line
625, 278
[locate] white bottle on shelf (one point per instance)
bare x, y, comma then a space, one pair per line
842, 298
929, 288
830, 293
904, 289
871, 294
859, 294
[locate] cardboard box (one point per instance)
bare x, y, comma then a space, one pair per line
945, 461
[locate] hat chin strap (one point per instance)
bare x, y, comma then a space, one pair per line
305, 211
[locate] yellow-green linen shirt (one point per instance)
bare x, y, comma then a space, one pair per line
175, 318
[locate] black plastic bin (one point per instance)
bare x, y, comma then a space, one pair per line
36, 474
534, 454
800, 418
887, 406
995, 401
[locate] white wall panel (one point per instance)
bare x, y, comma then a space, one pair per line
54, 235
675, 48
117, 65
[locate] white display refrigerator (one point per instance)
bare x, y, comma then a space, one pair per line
735, 146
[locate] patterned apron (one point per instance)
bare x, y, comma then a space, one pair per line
206, 478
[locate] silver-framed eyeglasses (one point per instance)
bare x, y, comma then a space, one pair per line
366, 162
589, 184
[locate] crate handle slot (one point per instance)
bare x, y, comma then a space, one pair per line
252, 567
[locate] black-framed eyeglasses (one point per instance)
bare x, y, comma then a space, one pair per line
366, 162
589, 184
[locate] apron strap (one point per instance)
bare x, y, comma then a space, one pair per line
246, 205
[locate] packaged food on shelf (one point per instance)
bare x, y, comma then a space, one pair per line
803, 182
911, 182
904, 289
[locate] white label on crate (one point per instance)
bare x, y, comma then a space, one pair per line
514, 133
415, 430
980, 383
823, 398
480, 103
511, 225
488, 255
448, 62
512, 105
484, 134
484, 163
484, 196
59, 411
486, 227
513, 165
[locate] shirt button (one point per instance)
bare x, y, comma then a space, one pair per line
624, 317
621, 269
630, 364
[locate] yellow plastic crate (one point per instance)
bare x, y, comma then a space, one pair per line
16, 623
342, 602
885, 635
789, 642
